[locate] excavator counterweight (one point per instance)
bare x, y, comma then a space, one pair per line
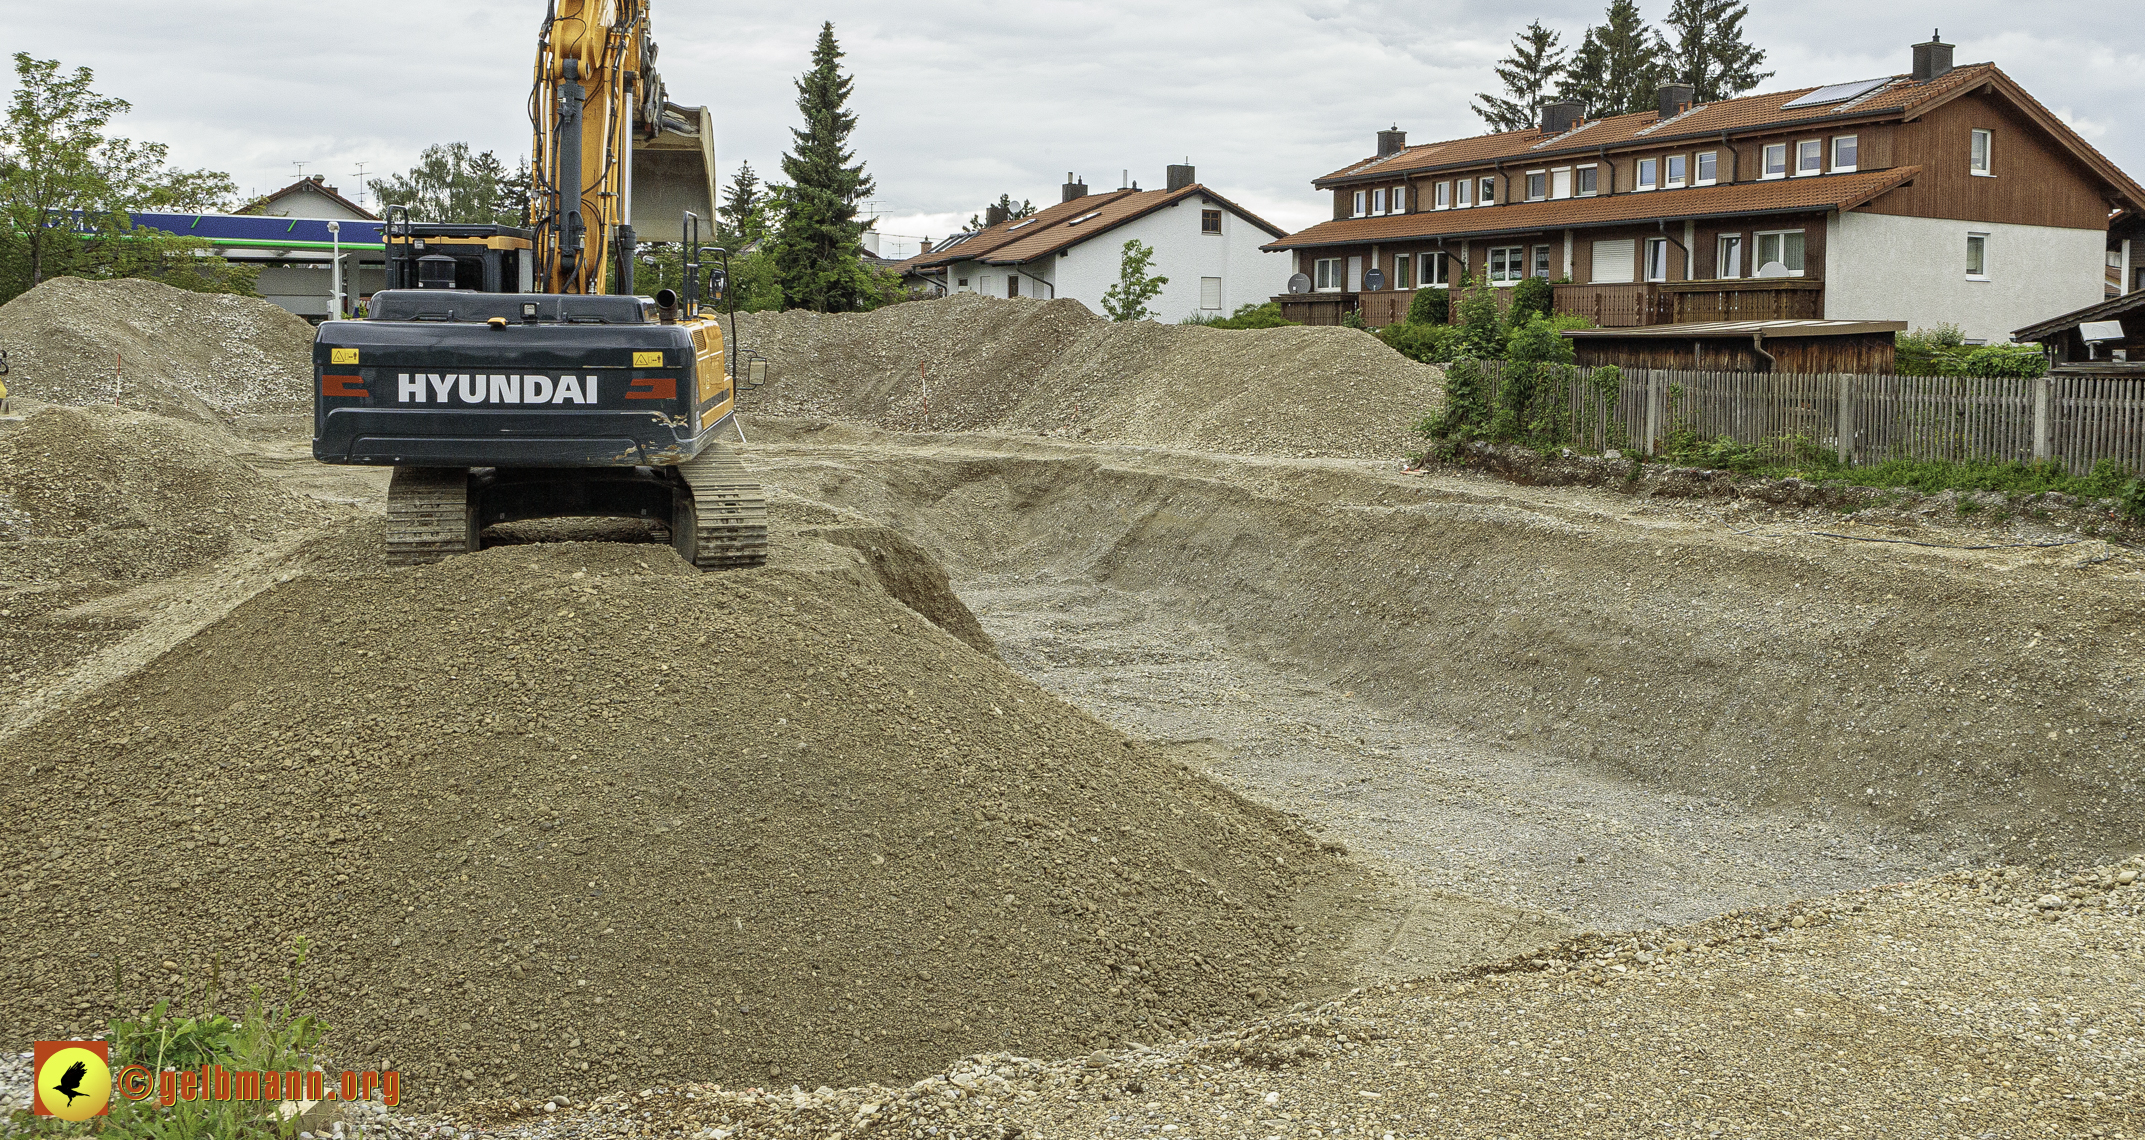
511, 372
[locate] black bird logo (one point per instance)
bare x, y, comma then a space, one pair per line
70, 1085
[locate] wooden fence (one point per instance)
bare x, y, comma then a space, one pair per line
2075, 421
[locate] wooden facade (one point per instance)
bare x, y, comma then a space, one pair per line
1712, 349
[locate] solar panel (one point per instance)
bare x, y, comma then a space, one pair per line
1837, 93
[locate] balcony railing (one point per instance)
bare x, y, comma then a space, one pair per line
1682, 302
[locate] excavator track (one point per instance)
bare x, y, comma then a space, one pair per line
728, 512
429, 516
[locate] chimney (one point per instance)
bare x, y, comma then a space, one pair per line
1071, 189
1676, 98
1931, 59
926, 247
992, 215
1562, 116
1180, 177
1392, 141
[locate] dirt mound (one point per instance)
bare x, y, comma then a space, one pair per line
199, 356
120, 494
573, 817
1053, 366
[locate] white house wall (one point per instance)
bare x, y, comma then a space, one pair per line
1181, 253
1887, 267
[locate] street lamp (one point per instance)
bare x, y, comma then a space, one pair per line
335, 270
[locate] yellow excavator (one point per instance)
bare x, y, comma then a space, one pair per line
512, 372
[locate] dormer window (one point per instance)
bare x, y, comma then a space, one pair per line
1466, 191
1846, 149
1810, 157
1489, 191
1775, 161
1362, 203
1537, 185
1708, 168
1586, 179
1677, 170
1377, 201
1649, 176
1441, 195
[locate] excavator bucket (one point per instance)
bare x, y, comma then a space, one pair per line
674, 173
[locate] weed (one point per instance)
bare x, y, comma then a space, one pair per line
1969, 506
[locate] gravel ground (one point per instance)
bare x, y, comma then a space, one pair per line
1993, 1003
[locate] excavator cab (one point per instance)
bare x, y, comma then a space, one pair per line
454, 255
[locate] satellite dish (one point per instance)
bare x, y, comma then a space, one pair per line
1374, 280
1298, 283
1772, 269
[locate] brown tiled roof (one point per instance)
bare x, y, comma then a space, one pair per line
1899, 96
316, 185
1068, 224
1781, 195
993, 237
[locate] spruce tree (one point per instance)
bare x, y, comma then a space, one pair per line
1706, 49
1529, 74
1014, 211
816, 252
1618, 65
738, 221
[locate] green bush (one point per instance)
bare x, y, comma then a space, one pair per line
1430, 307
2023, 361
1353, 319
1482, 328
1467, 408
1533, 402
1428, 343
1266, 316
1532, 297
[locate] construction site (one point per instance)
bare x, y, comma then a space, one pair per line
1122, 738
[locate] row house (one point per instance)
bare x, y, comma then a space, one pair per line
1944, 195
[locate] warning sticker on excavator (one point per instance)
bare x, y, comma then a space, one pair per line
647, 360
342, 356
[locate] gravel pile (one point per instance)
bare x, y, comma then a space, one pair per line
113, 493
564, 819
1998, 1002
1056, 368
210, 357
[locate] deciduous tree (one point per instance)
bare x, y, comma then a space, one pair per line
1127, 300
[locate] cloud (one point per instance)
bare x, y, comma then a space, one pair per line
960, 102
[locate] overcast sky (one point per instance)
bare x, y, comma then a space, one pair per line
962, 101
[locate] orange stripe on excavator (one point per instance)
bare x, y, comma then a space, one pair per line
340, 386
653, 388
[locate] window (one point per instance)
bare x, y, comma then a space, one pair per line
1980, 162
1649, 173
1210, 293
1488, 196
1584, 179
1656, 259
1845, 149
1377, 201
1728, 258
1400, 199
1560, 183
1541, 261
1810, 157
1012, 285
1977, 257
1708, 168
1678, 170
1466, 191
1508, 263
1783, 247
1537, 185
1403, 278
1362, 203
1437, 269
1775, 161
1326, 274
1210, 221
1613, 261
1441, 196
